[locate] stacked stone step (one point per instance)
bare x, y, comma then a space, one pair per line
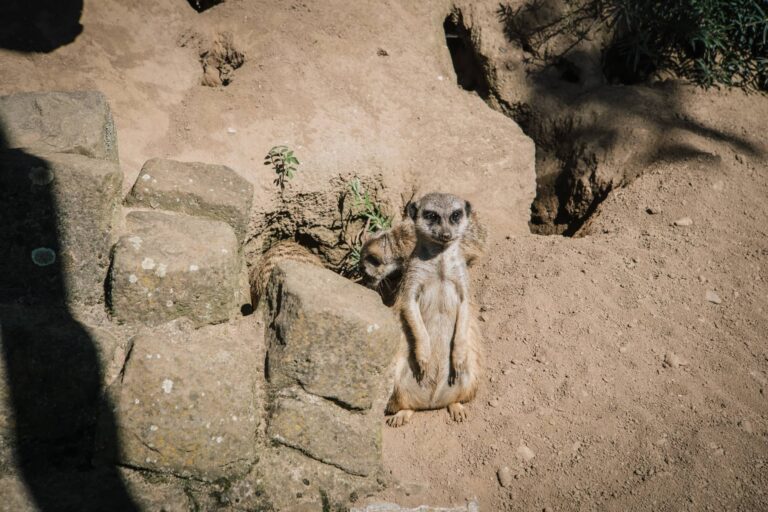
330, 346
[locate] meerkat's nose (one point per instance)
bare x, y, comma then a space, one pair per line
445, 237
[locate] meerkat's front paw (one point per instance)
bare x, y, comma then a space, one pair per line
400, 418
422, 357
458, 412
458, 369
423, 369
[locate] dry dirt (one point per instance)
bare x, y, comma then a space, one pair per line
605, 360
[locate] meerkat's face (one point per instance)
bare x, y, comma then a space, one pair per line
377, 260
441, 218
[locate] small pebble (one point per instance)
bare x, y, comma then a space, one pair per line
685, 221
505, 476
713, 297
746, 425
672, 360
652, 210
231, 131
525, 453
493, 403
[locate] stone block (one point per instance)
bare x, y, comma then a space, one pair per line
53, 370
59, 122
326, 432
332, 337
330, 347
205, 190
294, 482
188, 402
169, 266
59, 213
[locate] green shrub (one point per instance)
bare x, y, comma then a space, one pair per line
710, 42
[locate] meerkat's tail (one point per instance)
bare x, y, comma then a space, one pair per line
281, 251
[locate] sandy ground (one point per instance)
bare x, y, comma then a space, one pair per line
612, 382
577, 333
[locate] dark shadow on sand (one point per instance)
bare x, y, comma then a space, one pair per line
39, 25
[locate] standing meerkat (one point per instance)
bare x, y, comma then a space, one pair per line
283, 250
439, 364
383, 256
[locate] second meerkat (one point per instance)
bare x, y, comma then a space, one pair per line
439, 366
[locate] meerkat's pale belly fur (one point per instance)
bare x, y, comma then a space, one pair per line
439, 301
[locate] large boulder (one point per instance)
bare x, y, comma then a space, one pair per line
188, 403
59, 122
58, 212
169, 266
206, 190
330, 346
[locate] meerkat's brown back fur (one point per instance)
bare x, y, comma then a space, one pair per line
281, 251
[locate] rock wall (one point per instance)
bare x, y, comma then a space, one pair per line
123, 340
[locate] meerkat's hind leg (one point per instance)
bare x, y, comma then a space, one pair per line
400, 418
458, 412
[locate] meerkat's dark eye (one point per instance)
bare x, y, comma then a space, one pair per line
373, 260
456, 216
431, 216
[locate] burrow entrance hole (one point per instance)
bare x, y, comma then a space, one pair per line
466, 62
202, 5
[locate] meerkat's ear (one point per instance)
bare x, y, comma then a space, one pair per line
412, 210
467, 208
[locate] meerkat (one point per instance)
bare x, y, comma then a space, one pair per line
283, 250
383, 256
438, 364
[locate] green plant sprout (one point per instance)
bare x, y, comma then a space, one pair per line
283, 161
366, 209
373, 213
